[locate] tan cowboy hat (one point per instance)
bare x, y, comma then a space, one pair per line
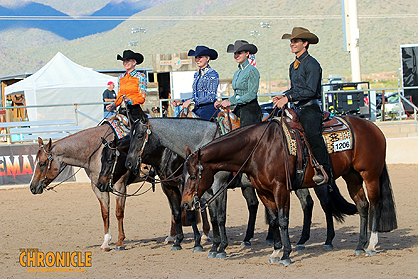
241, 45
301, 33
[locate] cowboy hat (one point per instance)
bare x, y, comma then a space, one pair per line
203, 51
129, 54
241, 45
302, 33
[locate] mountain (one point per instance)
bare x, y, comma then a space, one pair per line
67, 27
177, 26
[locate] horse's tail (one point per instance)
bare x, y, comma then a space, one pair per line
339, 205
385, 208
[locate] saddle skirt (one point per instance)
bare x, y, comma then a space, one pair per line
120, 125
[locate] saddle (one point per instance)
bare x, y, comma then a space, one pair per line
186, 112
227, 120
334, 130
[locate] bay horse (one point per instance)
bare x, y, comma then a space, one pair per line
177, 133
169, 169
259, 150
82, 149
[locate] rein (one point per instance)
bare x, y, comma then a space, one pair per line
225, 186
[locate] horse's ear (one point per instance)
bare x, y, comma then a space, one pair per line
48, 146
40, 142
188, 151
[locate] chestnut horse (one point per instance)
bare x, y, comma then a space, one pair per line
82, 149
177, 133
259, 151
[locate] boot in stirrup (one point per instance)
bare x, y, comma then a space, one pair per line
320, 179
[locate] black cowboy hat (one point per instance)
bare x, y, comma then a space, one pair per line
241, 45
302, 33
129, 54
204, 51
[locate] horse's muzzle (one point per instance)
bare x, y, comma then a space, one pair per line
39, 189
132, 167
186, 206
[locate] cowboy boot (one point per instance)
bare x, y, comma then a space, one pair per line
321, 177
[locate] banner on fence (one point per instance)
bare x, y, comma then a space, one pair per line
17, 164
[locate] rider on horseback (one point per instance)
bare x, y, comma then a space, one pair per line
205, 84
132, 85
305, 75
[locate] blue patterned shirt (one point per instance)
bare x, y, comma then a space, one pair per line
205, 86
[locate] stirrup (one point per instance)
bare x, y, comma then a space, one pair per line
319, 180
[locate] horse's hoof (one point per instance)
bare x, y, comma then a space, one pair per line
300, 247
176, 248
285, 262
328, 246
358, 252
221, 255
206, 238
246, 243
106, 249
119, 248
197, 249
274, 259
371, 253
169, 239
269, 241
212, 255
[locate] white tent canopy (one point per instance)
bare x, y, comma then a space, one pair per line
62, 81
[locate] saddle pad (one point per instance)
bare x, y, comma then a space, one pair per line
291, 141
340, 140
119, 132
335, 141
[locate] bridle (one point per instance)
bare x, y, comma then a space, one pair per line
195, 198
147, 134
50, 159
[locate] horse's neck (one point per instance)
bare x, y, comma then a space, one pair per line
175, 133
235, 147
80, 149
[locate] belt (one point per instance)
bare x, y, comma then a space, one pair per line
308, 103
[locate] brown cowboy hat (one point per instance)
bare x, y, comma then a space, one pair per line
129, 54
302, 33
241, 45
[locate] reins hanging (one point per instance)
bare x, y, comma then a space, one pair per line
225, 186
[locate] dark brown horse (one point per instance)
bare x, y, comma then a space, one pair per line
258, 150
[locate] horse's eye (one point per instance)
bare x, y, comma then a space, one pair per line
139, 136
110, 161
193, 177
42, 164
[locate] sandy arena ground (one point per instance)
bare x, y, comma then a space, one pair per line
69, 220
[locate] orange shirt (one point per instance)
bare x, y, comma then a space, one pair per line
133, 86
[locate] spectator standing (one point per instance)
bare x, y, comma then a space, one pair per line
109, 95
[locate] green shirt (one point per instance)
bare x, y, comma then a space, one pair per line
245, 84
